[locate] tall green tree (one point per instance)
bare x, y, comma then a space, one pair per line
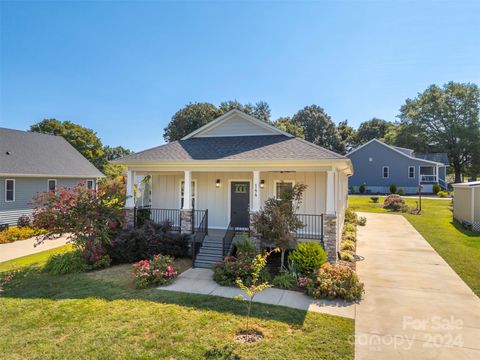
372, 129
83, 139
448, 117
190, 118
347, 135
319, 128
261, 109
287, 125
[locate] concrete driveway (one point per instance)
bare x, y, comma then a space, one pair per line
25, 247
415, 305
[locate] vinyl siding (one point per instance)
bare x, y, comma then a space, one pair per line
25, 190
166, 191
462, 209
477, 204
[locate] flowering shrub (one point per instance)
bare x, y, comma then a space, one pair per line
335, 282
393, 202
89, 217
304, 281
158, 271
232, 268
19, 233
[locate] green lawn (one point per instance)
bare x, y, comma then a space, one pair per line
38, 259
460, 248
101, 315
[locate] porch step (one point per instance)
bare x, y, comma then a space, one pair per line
210, 252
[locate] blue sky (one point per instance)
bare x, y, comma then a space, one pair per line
124, 68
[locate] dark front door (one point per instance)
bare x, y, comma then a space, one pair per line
240, 203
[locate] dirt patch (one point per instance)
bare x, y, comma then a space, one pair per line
248, 336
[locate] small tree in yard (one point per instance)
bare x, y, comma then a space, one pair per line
277, 222
256, 286
89, 217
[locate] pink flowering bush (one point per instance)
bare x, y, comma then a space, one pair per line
158, 271
89, 217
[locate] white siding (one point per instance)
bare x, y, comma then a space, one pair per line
236, 126
166, 192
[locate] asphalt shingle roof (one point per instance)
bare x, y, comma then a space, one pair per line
268, 147
30, 153
437, 157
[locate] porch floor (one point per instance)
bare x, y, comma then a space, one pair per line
200, 281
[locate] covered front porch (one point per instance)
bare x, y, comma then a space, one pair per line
218, 203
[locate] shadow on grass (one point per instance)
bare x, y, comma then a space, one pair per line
37, 285
464, 231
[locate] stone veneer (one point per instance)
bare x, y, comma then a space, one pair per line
186, 221
129, 220
330, 237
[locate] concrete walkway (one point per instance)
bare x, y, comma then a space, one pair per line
25, 247
200, 281
415, 305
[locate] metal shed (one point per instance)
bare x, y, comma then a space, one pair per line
466, 204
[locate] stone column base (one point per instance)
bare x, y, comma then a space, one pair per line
330, 237
186, 221
129, 218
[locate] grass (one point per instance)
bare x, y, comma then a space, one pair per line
101, 315
459, 247
38, 259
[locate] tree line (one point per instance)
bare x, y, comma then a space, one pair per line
440, 119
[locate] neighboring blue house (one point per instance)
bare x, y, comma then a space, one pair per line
378, 165
31, 163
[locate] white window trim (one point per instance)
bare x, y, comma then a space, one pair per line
14, 186
383, 172
411, 167
275, 182
48, 183
193, 192
93, 183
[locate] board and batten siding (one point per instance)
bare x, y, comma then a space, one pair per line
235, 126
25, 190
166, 191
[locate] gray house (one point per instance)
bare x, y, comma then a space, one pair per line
378, 165
31, 163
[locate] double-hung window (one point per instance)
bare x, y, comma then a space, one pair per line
385, 172
411, 172
52, 185
9, 190
182, 193
281, 187
90, 184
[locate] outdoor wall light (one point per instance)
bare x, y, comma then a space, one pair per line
262, 184
217, 184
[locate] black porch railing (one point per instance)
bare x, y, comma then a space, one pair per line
199, 217
228, 239
312, 229
168, 217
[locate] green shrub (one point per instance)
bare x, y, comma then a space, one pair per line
234, 267
245, 246
362, 221
158, 271
393, 189
362, 188
66, 263
401, 192
347, 245
24, 221
350, 236
351, 189
336, 282
442, 194
393, 202
349, 228
374, 199
350, 216
436, 189
308, 257
285, 280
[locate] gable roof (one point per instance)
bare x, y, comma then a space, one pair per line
396, 150
228, 116
266, 147
27, 153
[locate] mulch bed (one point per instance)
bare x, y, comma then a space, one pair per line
248, 336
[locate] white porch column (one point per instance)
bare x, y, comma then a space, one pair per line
130, 200
256, 191
436, 172
330, 195
187, 190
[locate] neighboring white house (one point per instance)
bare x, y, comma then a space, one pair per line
231, 166
466, 204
